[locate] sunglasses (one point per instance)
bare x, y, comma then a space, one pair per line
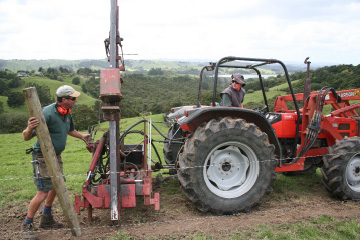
71, 98
233, 81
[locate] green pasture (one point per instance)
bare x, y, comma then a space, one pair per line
17, 187
53, 85
16, 170
257, 96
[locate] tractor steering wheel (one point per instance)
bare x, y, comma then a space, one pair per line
260, 109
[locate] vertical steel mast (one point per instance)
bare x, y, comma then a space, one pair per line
128, 175
110, 94
113, 123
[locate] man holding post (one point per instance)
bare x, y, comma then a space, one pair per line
60, 124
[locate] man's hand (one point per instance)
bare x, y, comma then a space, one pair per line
86, 137
32, 123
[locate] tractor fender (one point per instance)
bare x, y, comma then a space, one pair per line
198, 116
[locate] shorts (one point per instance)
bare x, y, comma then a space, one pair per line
42, 178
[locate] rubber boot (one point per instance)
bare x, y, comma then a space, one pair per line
47, 221
28, 231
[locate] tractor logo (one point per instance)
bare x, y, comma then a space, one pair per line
350, 94
356, 93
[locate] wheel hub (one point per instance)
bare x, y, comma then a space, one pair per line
226, 166
227, 170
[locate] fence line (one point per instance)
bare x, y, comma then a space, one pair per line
215, 165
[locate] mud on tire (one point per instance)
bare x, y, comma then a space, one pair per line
227, 165
341, 169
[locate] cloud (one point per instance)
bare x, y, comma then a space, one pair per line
287, 30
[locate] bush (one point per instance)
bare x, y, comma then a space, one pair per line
1, 107
76, 80
84, 116
43, 93
155, 71
92, 87
15, 99
13, 123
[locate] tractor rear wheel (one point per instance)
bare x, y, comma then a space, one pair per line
227, 165
341, 169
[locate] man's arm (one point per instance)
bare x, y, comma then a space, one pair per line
32, 124
226, 100
76, 134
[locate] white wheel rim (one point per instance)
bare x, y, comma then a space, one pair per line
231, 169
353, 173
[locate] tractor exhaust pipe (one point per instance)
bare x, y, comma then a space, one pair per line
307, 85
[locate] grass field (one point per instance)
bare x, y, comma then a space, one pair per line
16, 169
17, 188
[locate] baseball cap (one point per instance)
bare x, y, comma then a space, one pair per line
67, 91
238, 78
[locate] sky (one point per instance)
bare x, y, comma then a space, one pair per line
327, 31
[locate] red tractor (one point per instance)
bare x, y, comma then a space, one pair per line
228, 157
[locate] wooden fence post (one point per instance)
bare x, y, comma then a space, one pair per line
47, 149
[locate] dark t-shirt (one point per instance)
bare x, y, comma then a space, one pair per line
58, 128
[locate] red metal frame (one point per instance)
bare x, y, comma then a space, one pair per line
98, 196
344, 114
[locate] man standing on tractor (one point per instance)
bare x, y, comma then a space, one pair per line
234, 95
60, 124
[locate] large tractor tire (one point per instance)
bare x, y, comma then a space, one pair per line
227, 166
341, 169
171, 149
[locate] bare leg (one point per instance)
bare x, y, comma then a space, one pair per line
36, 202
50, 198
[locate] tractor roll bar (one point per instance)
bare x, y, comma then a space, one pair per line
263, 62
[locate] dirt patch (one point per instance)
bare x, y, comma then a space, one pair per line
179, 219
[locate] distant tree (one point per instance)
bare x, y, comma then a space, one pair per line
97, 110
51, 70
185, 78
205, 85
156, 108
93, 87
83, 116
1, 107
128, 111
14, 82
83, 88
15, 99
64, 70
155, 71
84, 71
76, 80
3, 87
43, 93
